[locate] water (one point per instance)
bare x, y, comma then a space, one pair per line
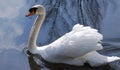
15, 27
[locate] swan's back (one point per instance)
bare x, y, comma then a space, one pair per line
78, 42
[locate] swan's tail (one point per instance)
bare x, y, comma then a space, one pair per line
113, 58
96, 59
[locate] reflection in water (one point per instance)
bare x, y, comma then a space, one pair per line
33, 64
45, 65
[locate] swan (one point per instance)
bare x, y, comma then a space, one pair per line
76, 47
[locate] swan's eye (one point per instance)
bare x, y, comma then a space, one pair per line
31, 12
33, 9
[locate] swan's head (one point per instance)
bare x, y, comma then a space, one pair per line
37, 9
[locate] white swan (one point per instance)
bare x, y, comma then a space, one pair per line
75, 48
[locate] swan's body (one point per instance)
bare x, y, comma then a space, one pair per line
75, 48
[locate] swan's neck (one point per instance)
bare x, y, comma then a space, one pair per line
35, 31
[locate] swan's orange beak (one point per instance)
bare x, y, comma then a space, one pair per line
30, 13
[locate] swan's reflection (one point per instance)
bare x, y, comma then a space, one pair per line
33, 64
37, 63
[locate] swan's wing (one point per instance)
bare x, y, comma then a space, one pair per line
78, 42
